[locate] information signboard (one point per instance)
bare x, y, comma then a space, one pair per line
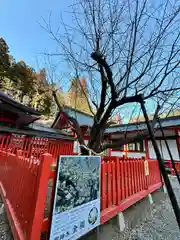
76, 208
146, 168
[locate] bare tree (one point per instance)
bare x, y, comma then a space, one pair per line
128, 50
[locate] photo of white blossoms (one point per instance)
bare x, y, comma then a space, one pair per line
78, 182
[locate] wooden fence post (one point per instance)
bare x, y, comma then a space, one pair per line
146, 176
45, 161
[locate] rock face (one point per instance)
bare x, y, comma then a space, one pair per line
78, 182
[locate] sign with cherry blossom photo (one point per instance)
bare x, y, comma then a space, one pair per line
76, 208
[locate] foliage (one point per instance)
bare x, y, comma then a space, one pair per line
4, 59
24, 79
23, 83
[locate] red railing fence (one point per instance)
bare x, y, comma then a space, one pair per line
25, 171
24, 186
123, 183
35, 146
170, 168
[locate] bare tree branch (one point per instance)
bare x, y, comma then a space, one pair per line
136, 138
100, 60
73, 121
127, 50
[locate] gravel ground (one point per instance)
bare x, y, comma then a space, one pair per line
5, 232
160, 224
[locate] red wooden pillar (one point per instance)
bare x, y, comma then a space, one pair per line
122, 174
178, 140
103, 185
126, 151
109, 180
118, 181
114, 179
109, 152
40, 197
146, 148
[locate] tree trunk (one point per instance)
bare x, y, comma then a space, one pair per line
84, 151
96, 138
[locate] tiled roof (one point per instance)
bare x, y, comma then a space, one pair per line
10, 101
166, 122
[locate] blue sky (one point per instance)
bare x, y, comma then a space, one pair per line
19, 26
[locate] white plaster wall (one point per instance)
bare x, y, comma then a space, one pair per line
130, 154
76, 148
165, 155
116, 153
152, 154
136, 154
173, 148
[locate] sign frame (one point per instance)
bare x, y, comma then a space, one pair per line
54, 196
